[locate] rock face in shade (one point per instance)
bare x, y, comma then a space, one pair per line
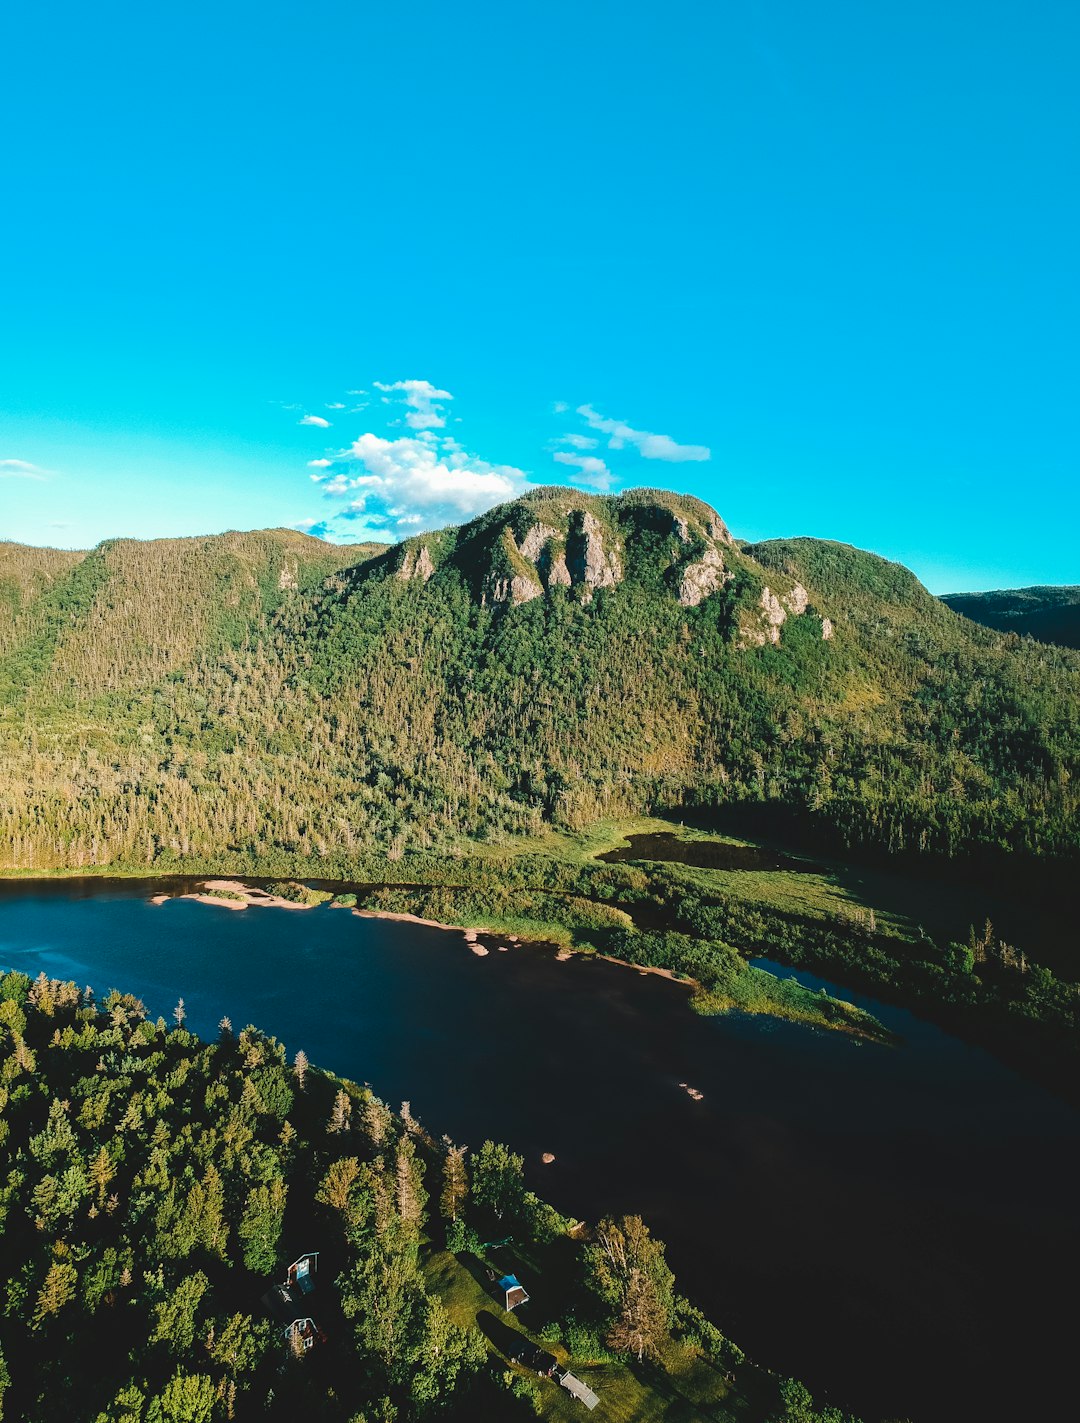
589, 561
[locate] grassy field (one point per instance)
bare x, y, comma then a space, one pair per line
681, 1387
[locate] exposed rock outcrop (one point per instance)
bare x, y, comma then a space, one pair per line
511, 588
588, 561
795, 601
534, 541
768, 618
416, 564
718, 530
288, 582
552, 566
703, 578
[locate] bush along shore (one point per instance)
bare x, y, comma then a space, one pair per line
703, 925
200, 1231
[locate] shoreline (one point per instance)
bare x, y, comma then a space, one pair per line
257, 898
233, 894
427, 923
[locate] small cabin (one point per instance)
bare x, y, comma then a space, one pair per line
301, 1334
301, 1273
513, 1292
286, 1305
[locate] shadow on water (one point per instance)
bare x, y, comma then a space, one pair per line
666, 846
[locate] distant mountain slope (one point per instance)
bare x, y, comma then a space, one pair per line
1048, 614
130, 610
563, 657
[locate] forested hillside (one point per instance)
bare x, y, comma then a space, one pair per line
154, 1189
1047, 614
560, 658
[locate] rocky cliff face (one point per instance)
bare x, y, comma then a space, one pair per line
763, 624
590, 562
560, 538
416, 563
510, 588
700, 580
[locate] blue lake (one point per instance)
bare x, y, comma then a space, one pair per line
896, 1225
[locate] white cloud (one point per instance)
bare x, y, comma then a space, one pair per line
417, 482
356, 392
315, 420
22, 469
592, 470
334, 404
319, 464
423, 400
559, 407
648, 445
578, 442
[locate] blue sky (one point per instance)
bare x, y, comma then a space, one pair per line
815, 264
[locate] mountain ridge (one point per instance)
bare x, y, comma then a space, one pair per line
269, 694
1046, 612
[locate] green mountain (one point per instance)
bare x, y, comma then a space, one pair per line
1046, 614
563, 657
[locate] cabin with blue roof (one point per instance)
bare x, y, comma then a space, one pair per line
513, 1292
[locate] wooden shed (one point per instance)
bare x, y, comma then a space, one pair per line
301, 1273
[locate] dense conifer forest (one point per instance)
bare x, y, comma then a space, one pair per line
1046, 614
562, 658
154, 1189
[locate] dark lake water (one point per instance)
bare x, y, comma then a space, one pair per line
895, 1225
705, 854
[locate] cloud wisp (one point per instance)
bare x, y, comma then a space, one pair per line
317, 420
591, 470
424, 402
647, 444
571, 449
23, 469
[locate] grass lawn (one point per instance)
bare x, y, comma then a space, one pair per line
682, 1388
